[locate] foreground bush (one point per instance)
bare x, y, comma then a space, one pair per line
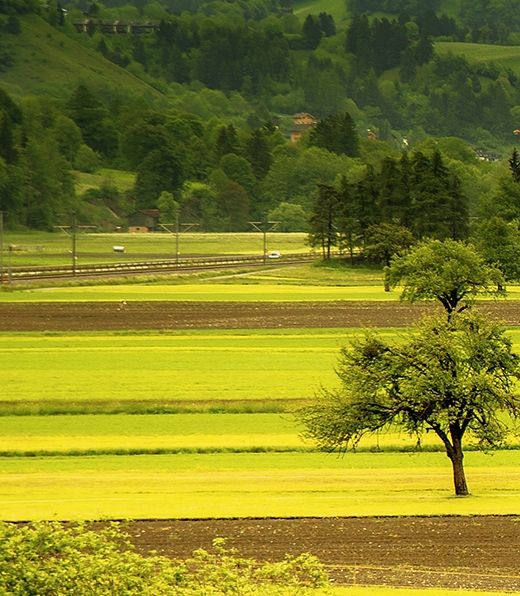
47, 559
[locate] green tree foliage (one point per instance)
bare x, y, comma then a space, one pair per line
395, 201
87, 160
514, 165
295, 174
454, 376
227, 141
93, 120
312, 32
169, 208
235, 203
322, 230
238, 169
221, 47
384, 241
504, 202
480, 13
348, 221
394, 6
292, 218
419, 194
158, 172
37, 184
68, 136
258, 153
498, 243
439, 208
450, 271
48, 558
336, 133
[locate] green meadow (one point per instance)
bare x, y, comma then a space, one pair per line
146, 372
503, 55
254, 484
121, 434
160, 372
201, 292
42, 248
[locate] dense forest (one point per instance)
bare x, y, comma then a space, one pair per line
233, 74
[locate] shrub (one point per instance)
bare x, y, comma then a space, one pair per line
49, 558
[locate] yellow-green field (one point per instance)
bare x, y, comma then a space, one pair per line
254, 484
41, 248
202, 292
146, 372
190, 367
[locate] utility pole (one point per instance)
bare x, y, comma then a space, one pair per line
177, 229
72, 235
264, 227
9, 276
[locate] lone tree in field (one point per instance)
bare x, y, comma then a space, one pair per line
454, 376
449, 271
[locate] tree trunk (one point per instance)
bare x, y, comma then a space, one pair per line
387, 265
387, 282
459, 476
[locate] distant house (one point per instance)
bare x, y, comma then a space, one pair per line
144, 221
81, 25
145, 27
484, 155
117, 27
302, 122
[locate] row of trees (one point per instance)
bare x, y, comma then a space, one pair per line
223, 177
480, 21
418, 193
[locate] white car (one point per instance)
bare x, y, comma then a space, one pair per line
274, 254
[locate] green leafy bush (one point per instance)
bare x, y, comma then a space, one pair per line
48, 558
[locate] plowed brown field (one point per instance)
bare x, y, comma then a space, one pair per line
453, 552
481, 553
111, 316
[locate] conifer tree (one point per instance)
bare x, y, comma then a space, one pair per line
322, 223
514, 165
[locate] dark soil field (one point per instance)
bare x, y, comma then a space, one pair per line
454, 552
113, 316
481, 553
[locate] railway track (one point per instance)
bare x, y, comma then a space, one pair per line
15, 275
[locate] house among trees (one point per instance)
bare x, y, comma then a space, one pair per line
144, 221
302, 122
484, 155
118, 27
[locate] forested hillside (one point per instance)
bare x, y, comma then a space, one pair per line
197, 99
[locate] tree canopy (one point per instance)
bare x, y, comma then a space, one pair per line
450, 271
454, 376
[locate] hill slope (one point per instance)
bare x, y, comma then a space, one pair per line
476, 52
46, 61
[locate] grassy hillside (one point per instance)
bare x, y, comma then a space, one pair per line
49, 62
503, 55
337, 8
